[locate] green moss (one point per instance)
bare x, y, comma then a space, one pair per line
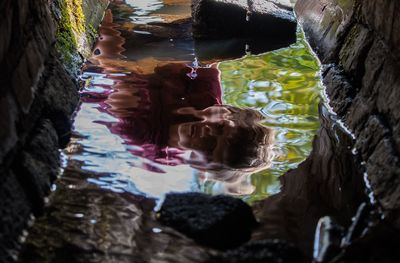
66, 41
71, 29
92, 30
77, 18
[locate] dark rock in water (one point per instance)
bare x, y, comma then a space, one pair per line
327, 241
271, 251
217, 221
233, 18
173, 39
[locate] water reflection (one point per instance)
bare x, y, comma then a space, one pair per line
155, 119
227, 144
160, 122
140, 83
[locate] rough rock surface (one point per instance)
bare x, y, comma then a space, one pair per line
217, 221
358, 41
114, 227
37, 99
238, 18
328, 182
271, 251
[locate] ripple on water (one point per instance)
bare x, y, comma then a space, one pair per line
284, 85
149, 129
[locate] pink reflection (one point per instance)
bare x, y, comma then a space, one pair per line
171, 113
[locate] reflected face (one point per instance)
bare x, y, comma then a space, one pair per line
207, 135
224, 138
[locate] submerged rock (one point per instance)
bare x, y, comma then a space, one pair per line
238, 18
217, 221
270, 251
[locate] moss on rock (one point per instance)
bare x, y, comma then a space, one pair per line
75, 33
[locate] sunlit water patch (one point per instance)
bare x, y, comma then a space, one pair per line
285, 86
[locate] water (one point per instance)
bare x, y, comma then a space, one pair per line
284, 86
160, 112
155, 119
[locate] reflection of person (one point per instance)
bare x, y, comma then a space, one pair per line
167, 108
168, 111
228, 144
146, 105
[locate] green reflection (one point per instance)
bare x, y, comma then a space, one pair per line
285, 86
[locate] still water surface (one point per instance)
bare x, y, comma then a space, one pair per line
161, 112
154, 119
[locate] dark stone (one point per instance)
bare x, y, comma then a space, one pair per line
232, 18
354, 52
382, 16
261, 251
38, 164
383, 169
325, 23
60, 100
217, 221
37, 99
8, 134
14, 210
375, 132
327, 241
360, 223
361, 38
374, 62
339, 90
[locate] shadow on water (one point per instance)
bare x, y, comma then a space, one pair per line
160, 112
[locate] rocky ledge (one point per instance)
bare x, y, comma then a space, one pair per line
39, 95
358, 44
238, 18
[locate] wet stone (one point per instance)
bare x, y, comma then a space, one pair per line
253, 18
269, 250
328, 236
218, 221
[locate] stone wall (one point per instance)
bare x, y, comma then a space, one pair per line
38, 96
358, 44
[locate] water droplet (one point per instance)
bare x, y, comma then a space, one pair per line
195, 63
156, 230
79, 215
354, 151
193, 66
14, 255
248, 14
31, 220
192, 75
247, 49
